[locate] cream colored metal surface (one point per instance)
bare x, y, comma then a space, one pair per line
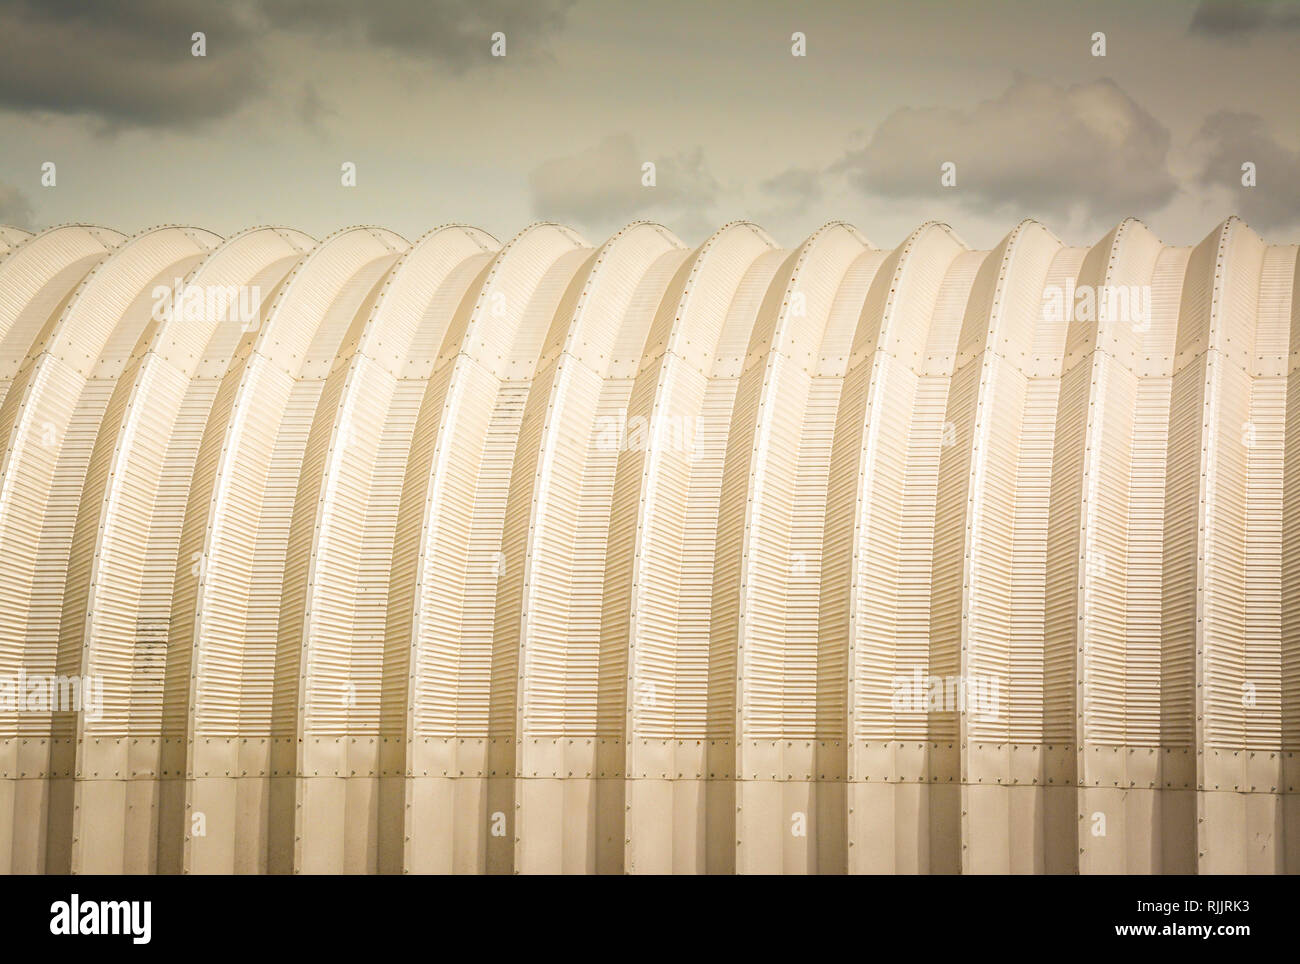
544, 557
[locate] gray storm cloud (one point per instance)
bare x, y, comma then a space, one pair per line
130, 64
1235, 18
124, 63
1234, 138
450, 32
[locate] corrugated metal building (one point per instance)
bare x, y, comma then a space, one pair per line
452, 556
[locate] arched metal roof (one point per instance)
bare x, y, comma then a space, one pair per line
462, 556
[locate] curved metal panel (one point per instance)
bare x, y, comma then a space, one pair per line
458, 557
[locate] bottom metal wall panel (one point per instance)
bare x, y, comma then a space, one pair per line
377, 556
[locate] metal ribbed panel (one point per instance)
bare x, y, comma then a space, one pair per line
462, 689
549, 558
37, 277
66, 385
362, 432
11, 237
572, 699
245, 677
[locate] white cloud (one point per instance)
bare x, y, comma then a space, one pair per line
1037, 149
601, 187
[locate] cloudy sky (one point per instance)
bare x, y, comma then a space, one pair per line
142, 132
